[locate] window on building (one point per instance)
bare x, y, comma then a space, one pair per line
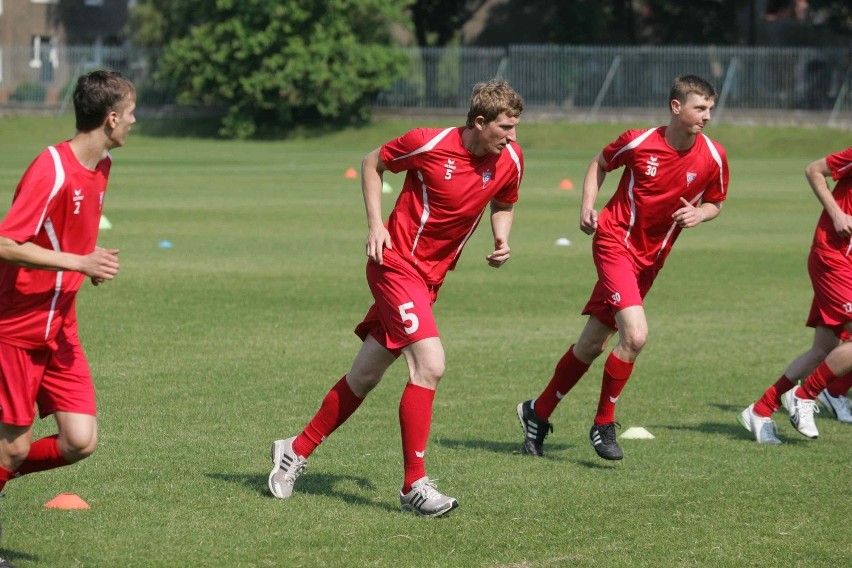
94, 2
44, 1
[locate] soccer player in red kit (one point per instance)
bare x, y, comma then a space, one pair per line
452, 176
675, 177
48, 248
827, 366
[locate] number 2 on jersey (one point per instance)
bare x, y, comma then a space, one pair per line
409, 318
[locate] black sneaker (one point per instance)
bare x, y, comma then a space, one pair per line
602, 437
535, 429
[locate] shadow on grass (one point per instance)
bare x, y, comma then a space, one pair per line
13, 556
598, 464
498, 447
324, 484
733, 431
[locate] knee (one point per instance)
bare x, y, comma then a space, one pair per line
16, 453
634, 341
429, 375
76, 446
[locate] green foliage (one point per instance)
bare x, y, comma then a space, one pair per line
273, 63
29, 93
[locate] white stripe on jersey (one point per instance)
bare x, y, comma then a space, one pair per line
635, 142
424, 216
467, 236
54, 240
429, 145
60, 179
517, 160
632, 144
718, 159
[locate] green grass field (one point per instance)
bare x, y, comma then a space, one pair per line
205, 352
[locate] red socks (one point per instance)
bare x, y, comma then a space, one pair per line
616, 373
44, 454
771, 399
568, 371
840, 386
816, 382
415, 420
337, 406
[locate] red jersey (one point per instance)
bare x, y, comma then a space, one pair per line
57, 205
656, 176
840, 164
444, 195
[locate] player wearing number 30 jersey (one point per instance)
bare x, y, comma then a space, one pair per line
453, 175
675, 177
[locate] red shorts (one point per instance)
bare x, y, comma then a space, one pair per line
831, 278
621, 283
54, 379
402, 311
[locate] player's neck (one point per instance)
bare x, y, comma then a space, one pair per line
679, 139
471, 142
89, 148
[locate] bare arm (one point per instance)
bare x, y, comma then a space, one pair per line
817, 172
101, 264
595, 176
372, 168
502, 215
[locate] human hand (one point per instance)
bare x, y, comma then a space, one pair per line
377, 239
100, 265
843, 224
500, 255
588, 220
688, 215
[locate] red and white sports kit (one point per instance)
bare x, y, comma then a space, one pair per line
446, 192
636, 231
57, 205
830, 259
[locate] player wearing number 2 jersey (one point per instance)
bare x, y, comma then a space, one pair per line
453, 176
48, 249
675, 177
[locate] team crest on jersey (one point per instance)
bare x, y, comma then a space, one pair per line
690, 177
486, 177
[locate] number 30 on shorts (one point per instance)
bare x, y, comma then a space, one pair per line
409, 318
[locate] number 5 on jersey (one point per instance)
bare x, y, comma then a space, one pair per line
409, 318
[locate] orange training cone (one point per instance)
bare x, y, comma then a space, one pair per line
350, 174
67, 501
566, 184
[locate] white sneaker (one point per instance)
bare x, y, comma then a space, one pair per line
762, 427
425, 499
837, 406
286, 468
801, 412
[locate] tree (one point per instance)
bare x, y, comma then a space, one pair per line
437, 22
274, 62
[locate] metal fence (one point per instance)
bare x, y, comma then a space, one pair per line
586, 78
592, 78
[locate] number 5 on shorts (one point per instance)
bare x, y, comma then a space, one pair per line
409, 318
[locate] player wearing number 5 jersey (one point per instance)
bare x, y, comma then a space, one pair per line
453, 176
675, 177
